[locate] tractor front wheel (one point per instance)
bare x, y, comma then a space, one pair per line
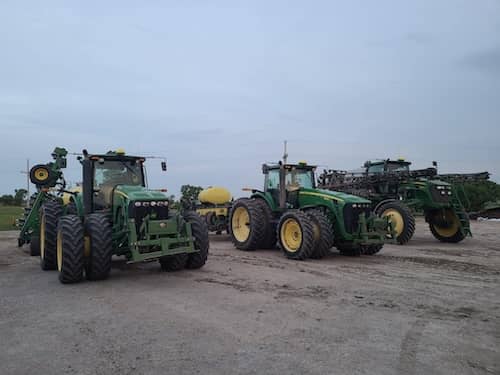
296, 235
323, 233
173, 262
401, 219
98, 247
199, 231
445, 226
70, 260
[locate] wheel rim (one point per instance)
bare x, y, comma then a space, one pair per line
450, 230
41, 174
240, 224
42, 237
396, 219
291, 235
59, 250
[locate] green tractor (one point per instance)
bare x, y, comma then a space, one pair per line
114, 213
396, 193
305, 221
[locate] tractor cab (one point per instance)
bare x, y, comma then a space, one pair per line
103, 173
283, 181
386, 166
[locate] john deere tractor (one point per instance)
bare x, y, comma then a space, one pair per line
114, 213
397, 192
303, 220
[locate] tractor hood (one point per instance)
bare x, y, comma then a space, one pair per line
334, 195
139, 193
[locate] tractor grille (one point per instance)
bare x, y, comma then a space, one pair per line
441, 195
139, 213
351, 216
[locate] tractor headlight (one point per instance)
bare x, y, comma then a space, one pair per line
153, 203
145, 204
138, 204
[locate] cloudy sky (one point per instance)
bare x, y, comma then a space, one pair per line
216, 86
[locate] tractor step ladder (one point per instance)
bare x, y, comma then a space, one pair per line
459, 210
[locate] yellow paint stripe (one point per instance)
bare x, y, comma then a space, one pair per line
121, 193
325, 196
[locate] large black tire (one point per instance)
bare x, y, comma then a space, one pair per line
70, 248
403, 219
269, 237
35, 246
372, 249
98, 233
173, 262
247, 224
445, 226
296, 235
350, 251
323, 233
41, 174
201, 243
49, 216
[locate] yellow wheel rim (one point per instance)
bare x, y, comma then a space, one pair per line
452, 229
240, 224
291, 235
41, 174
42, 237
396, 219
59, 250
86, 246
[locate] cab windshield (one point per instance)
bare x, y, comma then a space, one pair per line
118, 172
294, 178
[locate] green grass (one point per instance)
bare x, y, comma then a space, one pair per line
8, 216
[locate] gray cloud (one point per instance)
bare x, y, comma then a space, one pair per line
486, 61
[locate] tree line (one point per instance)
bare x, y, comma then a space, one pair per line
16, 199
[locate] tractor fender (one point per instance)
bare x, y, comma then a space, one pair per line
266, 197
381, 203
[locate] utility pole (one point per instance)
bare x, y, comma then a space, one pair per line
27, 173
285, 155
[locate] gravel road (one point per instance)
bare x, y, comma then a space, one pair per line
423, 308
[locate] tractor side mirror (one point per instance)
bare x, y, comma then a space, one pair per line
434, 164
164, 166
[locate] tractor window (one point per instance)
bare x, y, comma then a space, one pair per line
300, 177
117, 172
272, 179
376, 168
398, 167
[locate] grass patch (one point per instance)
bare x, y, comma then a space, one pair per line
8, 216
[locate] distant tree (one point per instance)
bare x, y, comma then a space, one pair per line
481, 192
7, 200
189, 195
20, 196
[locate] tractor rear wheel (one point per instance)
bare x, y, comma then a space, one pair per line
49, 215
445, 226
401, 218
70, 248
247, 224
201, 243
98, 246
296, 235
269, 239
323, 233
35, 246
173, 262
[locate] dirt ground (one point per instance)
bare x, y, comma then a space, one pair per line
424, 308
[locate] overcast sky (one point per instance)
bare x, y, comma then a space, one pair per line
216, 86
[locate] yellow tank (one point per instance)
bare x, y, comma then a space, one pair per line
66, 196
214, 195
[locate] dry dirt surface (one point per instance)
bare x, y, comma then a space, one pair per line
424, 308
